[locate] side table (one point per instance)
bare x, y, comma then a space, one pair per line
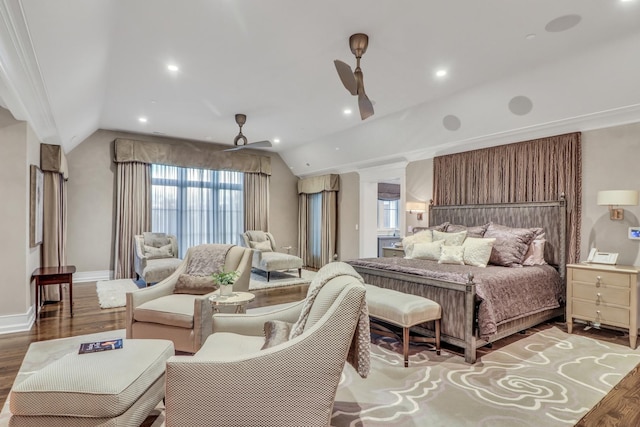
239, 300
54, 276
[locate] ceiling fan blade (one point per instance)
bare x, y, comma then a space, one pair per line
258, 144
346, 76
365, 105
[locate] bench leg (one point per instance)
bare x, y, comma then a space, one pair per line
405, 346
300, 273
268, 275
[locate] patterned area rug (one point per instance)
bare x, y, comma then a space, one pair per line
279, 279
547, 379
112, 293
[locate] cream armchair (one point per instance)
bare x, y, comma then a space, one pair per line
185, 318
155, 256
232, 381
266, 256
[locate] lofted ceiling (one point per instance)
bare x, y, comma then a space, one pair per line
515, 70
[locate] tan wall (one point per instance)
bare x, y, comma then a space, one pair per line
610, 162
20, 148
348, 216
419, 183
91, 208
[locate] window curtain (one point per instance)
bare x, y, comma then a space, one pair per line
197, 205
54, 242
318, 220
530, 171
256, 201
133, 213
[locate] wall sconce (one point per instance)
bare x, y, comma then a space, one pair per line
417, 208
613, 198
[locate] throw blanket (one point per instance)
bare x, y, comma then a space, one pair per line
204, 260
360, 348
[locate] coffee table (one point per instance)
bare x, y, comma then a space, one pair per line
239, 300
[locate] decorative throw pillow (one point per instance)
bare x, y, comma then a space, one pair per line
156, 240
261, 246
477, 251
429, 250
510, 246
535, 253
452, 255
195, 285
276, 332
450, 239
152, 252
477, 231
420, 237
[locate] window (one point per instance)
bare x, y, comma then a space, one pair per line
387, 214
197, 205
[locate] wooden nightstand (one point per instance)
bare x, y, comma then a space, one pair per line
393, 252
603, 295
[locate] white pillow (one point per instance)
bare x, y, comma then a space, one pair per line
450, 239
427, 250
452, 255
261, 246
152, 252
409, 241
477, 251
535, 253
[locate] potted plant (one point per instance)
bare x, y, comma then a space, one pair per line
225, 279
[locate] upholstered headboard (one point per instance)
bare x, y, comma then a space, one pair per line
551, 216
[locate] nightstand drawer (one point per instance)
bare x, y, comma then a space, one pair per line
601, 313
603, 294
393, 252
606, 277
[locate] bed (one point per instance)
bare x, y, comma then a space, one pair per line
478, 306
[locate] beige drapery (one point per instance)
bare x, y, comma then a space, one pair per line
133, 213
54, 242
256, 201
323, 252
530, 171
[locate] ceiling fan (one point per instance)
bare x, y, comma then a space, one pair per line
353, 80
241, 119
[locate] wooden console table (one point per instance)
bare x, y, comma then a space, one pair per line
54, 276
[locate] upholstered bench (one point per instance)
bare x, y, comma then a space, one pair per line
404, 310
108, 388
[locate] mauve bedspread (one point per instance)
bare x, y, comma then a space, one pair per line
506, 293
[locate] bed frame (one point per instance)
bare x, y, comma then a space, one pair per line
458, 301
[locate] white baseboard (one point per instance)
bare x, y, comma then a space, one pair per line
17, 322
92, 276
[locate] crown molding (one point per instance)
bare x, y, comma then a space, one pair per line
21, 85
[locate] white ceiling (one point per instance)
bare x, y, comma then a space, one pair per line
70, 67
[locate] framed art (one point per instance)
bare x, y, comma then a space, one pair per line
36, 206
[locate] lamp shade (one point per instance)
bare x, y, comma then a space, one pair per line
618, 197
416, 206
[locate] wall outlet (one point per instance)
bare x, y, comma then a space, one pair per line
356, 227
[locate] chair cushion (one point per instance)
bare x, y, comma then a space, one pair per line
261, 246
227, 345
172, 310
272, 261
159, 269
93, 385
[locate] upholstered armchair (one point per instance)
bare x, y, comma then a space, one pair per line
266, 256
178, 308
155, 256
234, 380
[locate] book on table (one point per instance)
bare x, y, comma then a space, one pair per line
92, 347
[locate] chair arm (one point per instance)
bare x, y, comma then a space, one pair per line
253, 324
202, 319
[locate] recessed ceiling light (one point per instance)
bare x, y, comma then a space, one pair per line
276, 140
142, 119
337, 148
172, 67
347, 111
441, 73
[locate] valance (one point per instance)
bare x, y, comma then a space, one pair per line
52, 159
189, 154
388, 191
318, 184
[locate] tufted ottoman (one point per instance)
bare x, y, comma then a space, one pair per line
109, 388
403, 310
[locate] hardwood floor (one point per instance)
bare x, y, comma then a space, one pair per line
619, 408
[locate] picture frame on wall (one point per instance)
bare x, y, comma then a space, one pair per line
36, 206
